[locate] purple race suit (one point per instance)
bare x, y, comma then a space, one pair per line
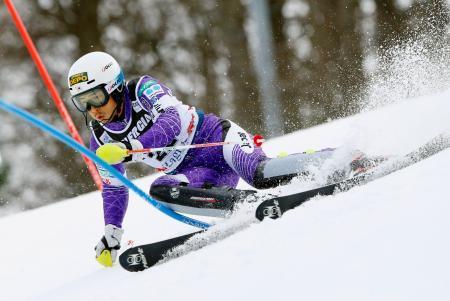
154, 117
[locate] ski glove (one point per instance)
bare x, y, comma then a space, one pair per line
106, 249
117, 152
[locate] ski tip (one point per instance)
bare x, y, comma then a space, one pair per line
270, 208
132, 260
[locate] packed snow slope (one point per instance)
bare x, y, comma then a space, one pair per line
387, 240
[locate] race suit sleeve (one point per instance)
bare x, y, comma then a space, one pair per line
158, 99
114, 194
166, 127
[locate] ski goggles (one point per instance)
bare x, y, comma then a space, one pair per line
95, 97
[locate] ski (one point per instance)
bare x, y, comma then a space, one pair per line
142, 257
275, 207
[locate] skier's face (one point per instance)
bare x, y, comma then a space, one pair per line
104, 113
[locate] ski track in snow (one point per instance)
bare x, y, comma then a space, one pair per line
387, 240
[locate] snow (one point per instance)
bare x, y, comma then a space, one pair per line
387, 240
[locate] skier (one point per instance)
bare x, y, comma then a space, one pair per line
144, 113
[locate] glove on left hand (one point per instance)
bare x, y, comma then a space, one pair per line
106, 249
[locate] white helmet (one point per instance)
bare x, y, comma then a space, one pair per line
93, 78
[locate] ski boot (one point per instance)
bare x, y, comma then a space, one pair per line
207, 200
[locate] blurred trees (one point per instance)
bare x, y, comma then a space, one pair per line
319, 57
398, 21
199, 48
3, 173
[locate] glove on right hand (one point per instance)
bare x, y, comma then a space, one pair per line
112, 153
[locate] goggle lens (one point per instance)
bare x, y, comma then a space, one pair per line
96, 97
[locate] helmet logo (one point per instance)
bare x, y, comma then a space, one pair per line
78, 78
111, 86
107, 66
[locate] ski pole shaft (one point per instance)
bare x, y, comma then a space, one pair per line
257, 140
170, 148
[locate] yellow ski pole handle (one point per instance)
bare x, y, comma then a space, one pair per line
112, 153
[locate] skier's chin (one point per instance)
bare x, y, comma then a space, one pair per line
102, 119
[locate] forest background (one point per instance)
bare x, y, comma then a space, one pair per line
328, 56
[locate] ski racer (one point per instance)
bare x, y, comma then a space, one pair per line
144, 113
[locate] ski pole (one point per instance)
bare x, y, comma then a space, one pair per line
257, 140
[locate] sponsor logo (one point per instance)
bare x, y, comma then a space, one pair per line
137, 259
78, 78
107, 66
141, 126
144, 260
245, 140
175, 157
204, 199
105, 138
145, 86
191, 125
111, 86
152, 93
174, 192
158, 107
272, 211
136, 106
134, 259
